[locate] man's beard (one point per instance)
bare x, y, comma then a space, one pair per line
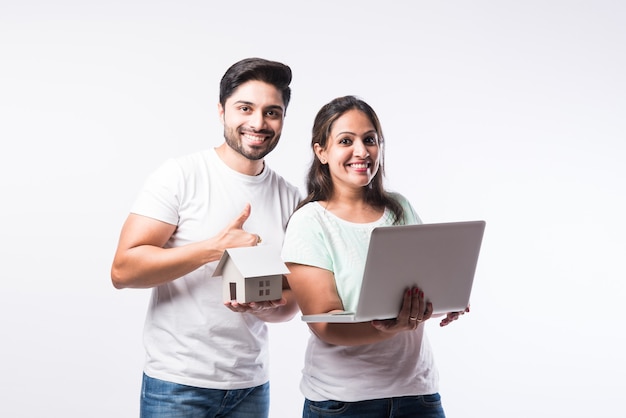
251, 153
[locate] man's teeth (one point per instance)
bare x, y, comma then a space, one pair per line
253, 138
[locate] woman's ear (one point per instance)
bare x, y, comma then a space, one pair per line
319, 152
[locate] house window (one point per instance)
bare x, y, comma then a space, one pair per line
264, 288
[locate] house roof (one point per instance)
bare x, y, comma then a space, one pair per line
261, 260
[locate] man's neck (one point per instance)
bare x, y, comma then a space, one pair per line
238, 162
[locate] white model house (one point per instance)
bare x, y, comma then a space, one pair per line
251, 274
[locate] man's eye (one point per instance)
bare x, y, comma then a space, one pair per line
273, 114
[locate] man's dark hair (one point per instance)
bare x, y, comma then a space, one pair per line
271, 72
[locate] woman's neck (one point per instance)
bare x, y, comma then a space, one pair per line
352, 207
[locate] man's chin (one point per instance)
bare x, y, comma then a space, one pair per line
258, 152
254, 154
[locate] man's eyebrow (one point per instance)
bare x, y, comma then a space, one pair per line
270, 107
243, 102
275, 107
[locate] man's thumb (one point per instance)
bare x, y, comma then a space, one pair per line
242, 218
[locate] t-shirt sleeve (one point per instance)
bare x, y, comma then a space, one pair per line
160, 196
305, 241
410, 215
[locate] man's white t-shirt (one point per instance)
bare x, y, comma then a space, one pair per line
190, 337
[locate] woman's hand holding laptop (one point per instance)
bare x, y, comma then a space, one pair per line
415, 310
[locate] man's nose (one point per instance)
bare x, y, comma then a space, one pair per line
257, 121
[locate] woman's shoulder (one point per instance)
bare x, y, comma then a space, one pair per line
398, 197
409, 213
305, 223
307, 211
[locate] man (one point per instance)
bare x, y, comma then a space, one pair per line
204, 358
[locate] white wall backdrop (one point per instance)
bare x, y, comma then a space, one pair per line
508, 111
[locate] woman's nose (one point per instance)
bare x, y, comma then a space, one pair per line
360, 150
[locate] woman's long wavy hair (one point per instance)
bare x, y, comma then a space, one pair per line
318, 181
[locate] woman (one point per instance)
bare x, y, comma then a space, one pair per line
371, 369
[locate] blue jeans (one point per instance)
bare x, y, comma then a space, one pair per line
425, 406
161, 399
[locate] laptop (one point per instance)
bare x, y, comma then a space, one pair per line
439, 258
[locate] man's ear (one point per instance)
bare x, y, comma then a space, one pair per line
220, 112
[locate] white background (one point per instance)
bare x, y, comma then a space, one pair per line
508, 111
